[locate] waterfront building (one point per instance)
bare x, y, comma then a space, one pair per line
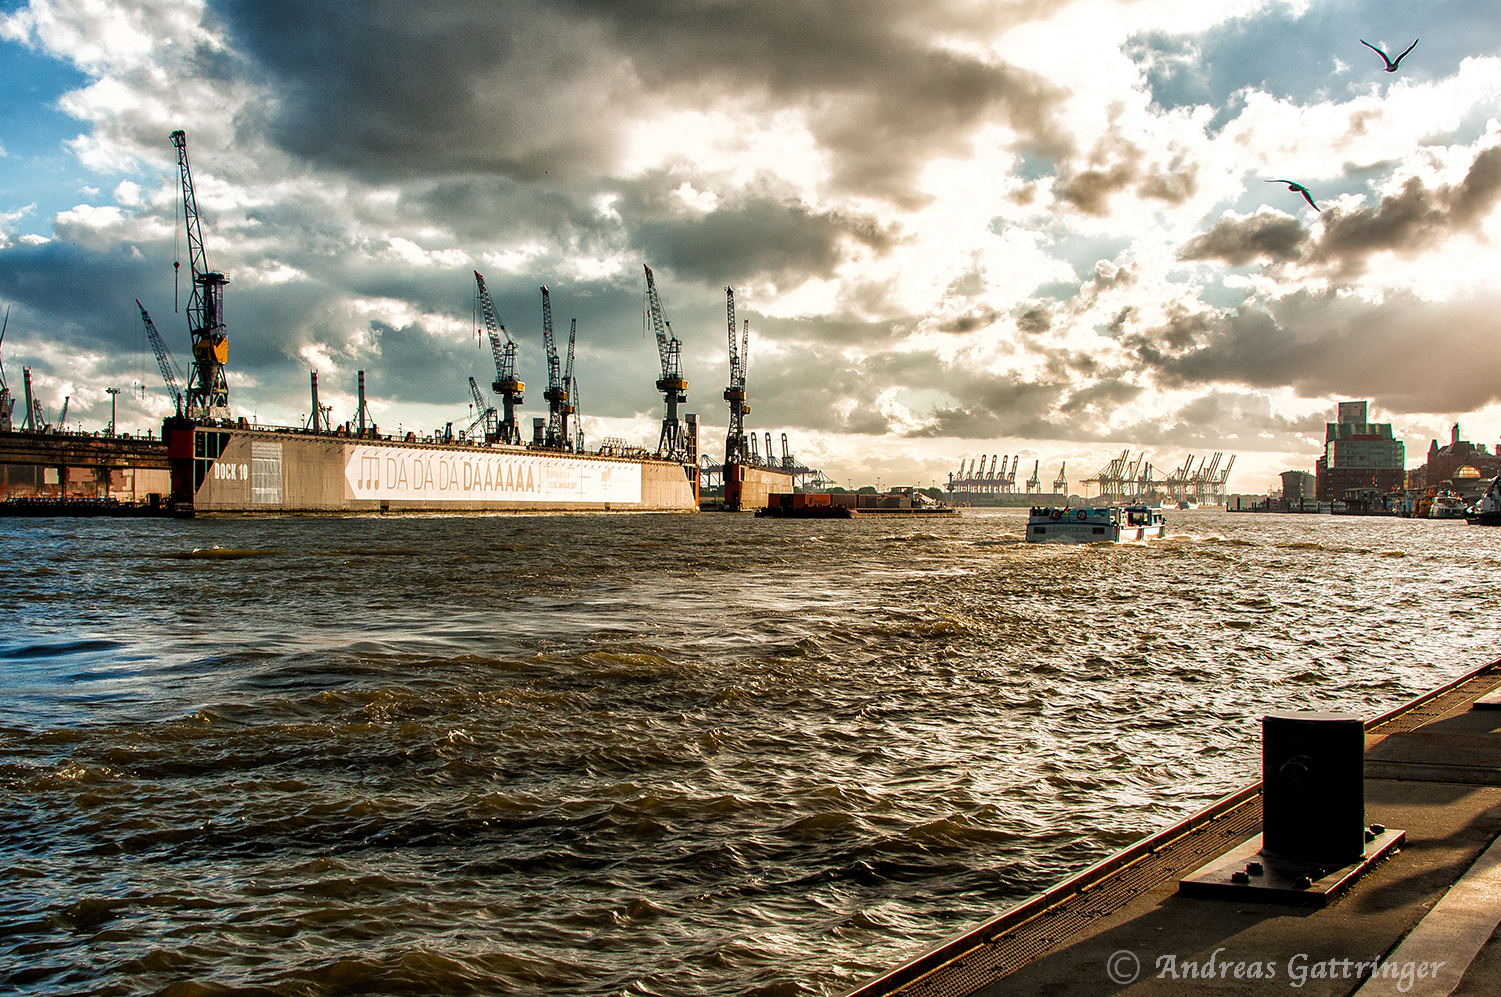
1359, 454
1299, 488
1464, 464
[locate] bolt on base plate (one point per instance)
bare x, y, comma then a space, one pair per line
1244, 874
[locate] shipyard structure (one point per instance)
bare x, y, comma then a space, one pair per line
243, 469
208, 461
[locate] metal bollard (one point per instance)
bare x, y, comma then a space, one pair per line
1313, 787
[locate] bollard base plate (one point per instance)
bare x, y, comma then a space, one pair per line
1490, 701
1299, 884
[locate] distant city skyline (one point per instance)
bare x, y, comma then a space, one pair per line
957, 228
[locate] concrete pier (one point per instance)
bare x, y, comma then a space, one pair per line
1420, 921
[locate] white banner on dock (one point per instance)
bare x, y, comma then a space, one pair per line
403, 473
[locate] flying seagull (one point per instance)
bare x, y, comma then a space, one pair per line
1298, 188
1391, 64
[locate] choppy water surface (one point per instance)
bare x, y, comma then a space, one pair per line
643, 754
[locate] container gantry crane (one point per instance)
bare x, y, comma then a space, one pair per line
164, 361
673, 385
1060, 483
208, 388
506, 383
735, 447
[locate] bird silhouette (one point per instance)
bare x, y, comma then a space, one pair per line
1298, 188
1391, 64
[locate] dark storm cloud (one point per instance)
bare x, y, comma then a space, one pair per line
981, 317
1408, 354
784, 242
993, 407
1237, 241
1099, 399
528, 89
43, 280
1226, 420
494, 209
1412, 220
1117, 164
1035, 320
1406, 223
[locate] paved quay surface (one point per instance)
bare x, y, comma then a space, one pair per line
1425, 917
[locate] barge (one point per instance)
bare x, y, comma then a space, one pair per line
849, 505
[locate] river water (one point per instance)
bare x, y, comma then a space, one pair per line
643, 754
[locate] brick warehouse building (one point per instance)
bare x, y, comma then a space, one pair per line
1359, 455
1461, 462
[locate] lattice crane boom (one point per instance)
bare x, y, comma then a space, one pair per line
566, 437
484, 412
735, 447
164, 361
507, 385
207, 395
557, 391
6, 404
672, 384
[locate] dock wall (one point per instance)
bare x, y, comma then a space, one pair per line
126, 469
240, 470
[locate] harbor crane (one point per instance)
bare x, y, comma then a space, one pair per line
735, 447
6, 405
62, 418
1034, 483
35, 422
570, 439
484, 414
558, 409
573, 403
507, 385
164, 361
1060, 483
208, 388
673, 385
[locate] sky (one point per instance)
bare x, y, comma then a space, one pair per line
1033, 228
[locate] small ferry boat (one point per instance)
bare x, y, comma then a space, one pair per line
1105, 524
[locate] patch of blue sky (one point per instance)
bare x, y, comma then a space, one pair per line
1216, 294
1355, 179
1083, 252
1315, 56
39, 174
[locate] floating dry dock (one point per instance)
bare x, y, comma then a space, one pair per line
245, 469
1418, 921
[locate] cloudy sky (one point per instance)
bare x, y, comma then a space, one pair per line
1028, 227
